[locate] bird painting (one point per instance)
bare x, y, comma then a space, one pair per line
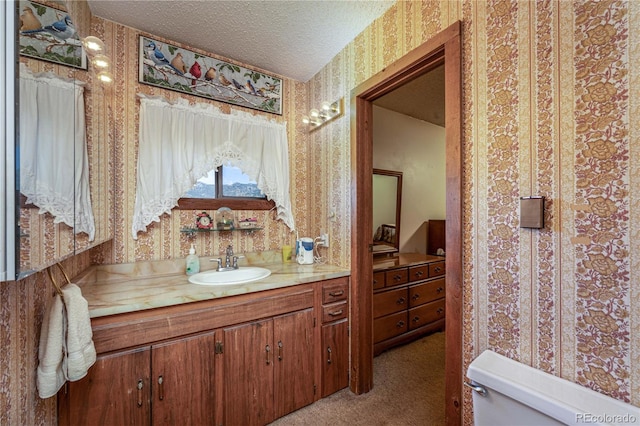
62, 30
29, 21
250, 88
178, 63
224, 80
238, 85
158, 58
196, 72
210, 74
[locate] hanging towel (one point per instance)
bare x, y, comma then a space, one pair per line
51, 353
81, 353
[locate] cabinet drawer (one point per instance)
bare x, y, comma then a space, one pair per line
389, 326
378, 280
417, 273
396, 277
335, 311
391, 301
425, 314
426, 292
436, 269
335, 290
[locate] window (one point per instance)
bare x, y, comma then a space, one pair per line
226, 186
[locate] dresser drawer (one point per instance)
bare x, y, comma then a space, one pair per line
378, 280
396, 277
389, 326
335, 290
391, 301
335, 311
417, 273
425, 314
426, 292
436, 269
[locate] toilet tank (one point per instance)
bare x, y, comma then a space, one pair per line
507, 392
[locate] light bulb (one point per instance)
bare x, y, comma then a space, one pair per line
105, 77
314, 113
101, 62
93, 45
326, 106
305, 119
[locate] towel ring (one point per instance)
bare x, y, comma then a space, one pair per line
53, 280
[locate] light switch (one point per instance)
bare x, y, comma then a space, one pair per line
532, 212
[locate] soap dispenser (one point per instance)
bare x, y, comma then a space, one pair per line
193, 262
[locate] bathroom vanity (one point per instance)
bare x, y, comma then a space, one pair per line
174, 352
408, 298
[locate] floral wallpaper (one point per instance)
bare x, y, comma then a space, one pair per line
548, 110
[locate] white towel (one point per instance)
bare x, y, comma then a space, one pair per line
81, 353
51, 367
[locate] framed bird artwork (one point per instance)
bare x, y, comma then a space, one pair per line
170, 67
48, 33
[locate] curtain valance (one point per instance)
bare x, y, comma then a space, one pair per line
179, 143
54, 164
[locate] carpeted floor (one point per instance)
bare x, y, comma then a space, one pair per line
408, 390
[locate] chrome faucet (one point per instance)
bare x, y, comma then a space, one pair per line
230, 261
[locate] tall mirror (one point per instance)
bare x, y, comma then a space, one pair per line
387, 202
64, 140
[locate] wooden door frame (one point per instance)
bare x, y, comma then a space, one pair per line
445, 47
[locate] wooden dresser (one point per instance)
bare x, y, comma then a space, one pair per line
408, 298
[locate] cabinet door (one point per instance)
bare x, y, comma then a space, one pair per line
116, 391
248, 374
294, 352
335, 357
183, 381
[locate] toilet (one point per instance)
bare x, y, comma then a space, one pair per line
510, 393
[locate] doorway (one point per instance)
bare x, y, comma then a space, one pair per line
444, 48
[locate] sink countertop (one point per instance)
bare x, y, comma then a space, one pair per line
129, 287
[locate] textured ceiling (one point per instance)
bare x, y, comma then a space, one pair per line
292, 38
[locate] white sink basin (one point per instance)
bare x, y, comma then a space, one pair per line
237, 276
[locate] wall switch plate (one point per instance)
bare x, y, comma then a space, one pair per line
532, 212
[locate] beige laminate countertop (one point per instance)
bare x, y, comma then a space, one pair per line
404, 259
129, 287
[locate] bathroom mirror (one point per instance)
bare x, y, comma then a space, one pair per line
387, 202
44, 237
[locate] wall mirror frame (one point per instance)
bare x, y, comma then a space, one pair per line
41, 240
387, 207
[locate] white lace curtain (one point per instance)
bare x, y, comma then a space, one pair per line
179, 143
54, 165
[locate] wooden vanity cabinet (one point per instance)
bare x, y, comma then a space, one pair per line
239, 360
335, 335
408, 302
268, 368
173, 377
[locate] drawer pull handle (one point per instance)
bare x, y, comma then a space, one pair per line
437, 269
416, 319
439, 289
400, 324
419, 274
397, 277
328, 354
440, 311
400, 301
339, 292
280, 350
268, 351
160, 388
375, 282
336, 313
139, 392
415, 297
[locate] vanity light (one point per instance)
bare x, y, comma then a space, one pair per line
327, 112
93, 45
105, 77
101, 62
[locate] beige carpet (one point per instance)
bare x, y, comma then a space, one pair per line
408, 390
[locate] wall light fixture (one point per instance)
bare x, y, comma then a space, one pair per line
327, 112
94, 47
